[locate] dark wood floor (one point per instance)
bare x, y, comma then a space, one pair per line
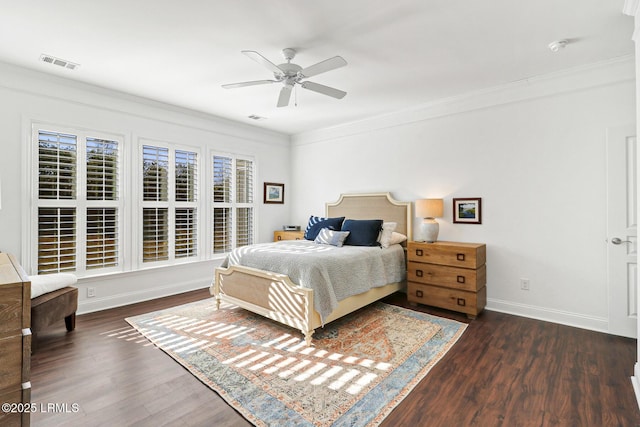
504, 371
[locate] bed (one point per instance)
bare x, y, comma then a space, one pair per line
278, 297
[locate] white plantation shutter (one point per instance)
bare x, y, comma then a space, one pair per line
102, 237
186, 176
155, 234
244, 227
244, 181
155, 173
186, 239
56, 240
56, 166
102, 169
233, 203
77, 204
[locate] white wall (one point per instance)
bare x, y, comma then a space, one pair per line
28, 95
534, 151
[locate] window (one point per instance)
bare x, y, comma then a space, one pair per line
95, 212
169, 212
78, 203
233, 205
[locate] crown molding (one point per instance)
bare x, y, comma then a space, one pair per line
608, 72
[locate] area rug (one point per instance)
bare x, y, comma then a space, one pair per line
356, 371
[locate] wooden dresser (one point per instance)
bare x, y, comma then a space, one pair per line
450, 275
287, 235
15, 341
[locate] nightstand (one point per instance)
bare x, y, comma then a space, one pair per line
287, 235
450, 275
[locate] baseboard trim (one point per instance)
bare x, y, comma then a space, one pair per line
593, 323
119, 300
635, 383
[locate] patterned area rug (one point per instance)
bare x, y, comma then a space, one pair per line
356, 371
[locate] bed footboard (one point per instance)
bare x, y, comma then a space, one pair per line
268, 294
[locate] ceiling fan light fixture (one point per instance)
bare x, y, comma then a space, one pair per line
291, 75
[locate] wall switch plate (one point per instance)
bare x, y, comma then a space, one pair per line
524, 284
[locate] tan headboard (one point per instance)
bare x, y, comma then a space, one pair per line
373, 206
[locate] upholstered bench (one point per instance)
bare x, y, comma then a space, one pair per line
52, 299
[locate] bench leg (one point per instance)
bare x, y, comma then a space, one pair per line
70, 322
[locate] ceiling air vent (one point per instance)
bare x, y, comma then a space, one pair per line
59, 62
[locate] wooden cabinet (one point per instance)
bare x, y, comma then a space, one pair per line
15, 341
449, 275
287, 235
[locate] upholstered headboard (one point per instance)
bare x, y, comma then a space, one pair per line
373, 206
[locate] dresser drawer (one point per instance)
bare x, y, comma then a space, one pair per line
287, 235
467, 302
456, 254
454, 277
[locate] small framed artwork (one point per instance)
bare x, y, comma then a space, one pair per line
273, 193
467, 210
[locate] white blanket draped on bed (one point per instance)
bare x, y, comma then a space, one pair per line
334, 273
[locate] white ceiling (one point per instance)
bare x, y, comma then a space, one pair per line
400, 53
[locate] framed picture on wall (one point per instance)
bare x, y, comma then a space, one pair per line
467, 210
273, 192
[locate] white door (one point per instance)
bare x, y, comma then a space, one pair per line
622, 191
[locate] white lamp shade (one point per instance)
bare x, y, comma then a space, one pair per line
429, 208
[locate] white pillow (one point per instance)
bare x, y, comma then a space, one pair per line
46, 283
397, 238
331, 237
385, 234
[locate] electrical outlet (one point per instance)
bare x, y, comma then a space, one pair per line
91, 292
524, 284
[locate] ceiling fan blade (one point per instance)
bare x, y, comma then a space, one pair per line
323, 67
253, 83
325, 90
264, 61
285, 95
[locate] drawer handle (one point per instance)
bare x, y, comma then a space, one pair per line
460, 257
419, 252
419, 273
419, 294
462, 302
461, 279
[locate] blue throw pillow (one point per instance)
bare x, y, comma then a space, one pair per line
317, 223
363, 232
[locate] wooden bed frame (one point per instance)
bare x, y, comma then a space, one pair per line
275, 296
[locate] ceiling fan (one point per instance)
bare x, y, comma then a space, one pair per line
292, 74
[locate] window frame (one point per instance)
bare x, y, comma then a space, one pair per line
80, 203
171, 204
233, 205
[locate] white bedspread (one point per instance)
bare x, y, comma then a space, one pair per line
334, 273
